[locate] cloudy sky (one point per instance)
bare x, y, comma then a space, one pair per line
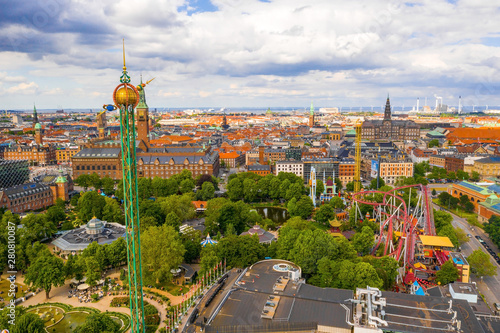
250, 53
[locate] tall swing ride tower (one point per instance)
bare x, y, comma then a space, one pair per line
126, 97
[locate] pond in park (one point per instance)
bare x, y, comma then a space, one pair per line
277, 215
71, 321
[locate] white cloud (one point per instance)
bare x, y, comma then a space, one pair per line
251, 53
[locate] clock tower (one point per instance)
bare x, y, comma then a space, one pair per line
142, 116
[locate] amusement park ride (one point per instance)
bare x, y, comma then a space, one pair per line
125, 98
399, 222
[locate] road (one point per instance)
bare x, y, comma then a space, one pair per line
490, 287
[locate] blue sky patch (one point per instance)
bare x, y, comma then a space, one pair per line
198, 6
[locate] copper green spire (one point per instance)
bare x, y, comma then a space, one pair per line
35, 115
312, 109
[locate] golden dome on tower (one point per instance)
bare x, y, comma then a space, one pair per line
126, 95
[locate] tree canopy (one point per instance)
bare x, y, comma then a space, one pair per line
448, 273
480, 262
47, 271
161, 251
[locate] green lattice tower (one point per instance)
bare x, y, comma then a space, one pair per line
126, 98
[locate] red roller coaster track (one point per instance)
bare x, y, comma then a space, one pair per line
395, 215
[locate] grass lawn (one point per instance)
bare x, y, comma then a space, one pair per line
471, 217
5, 285
319, 225
176, 290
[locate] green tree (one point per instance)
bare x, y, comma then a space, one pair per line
187, 185
55, 215
144, 188
212, 214
285, 184
207, 191
480, 262
338, 185
29, 323
117, 252
274, 188
492, 227
363, 241
161, 251
235, 189
208, 259
462, 175
191, 240
310, 246
236, 213
181, 205
150, 208
475, 176
461, 236
95, 181
373, 183
240, 251
448, 273
295, 190
89, 205
108, 185
173, 220
303, 207
451, 175
24, 322
97, 323
83, 181
70, 267
92, 271
349, 187
146, 222
464, 200
448, 231
386, 268
433, 143
320, 187
469, 207
74, 199
112, 211
366, 275
337, 203
324, 214
434, 192
45, 272
263, 186
251, 191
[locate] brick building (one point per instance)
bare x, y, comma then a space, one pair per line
388, 129
64, 155
437, 161
346, 171
453, 163
261, 170
36, 154
25, 197
232, 159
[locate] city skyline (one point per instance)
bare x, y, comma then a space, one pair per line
204, 53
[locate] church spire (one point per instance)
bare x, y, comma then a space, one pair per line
387, 113
311, 112
35, 116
